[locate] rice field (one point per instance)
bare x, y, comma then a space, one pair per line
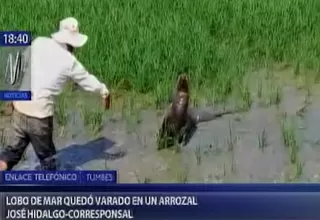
247, 51
148, 42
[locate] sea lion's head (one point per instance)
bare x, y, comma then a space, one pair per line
180, 102
183, 83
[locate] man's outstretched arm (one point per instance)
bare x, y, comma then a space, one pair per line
86, 80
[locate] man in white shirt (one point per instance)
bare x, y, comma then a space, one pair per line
52, 65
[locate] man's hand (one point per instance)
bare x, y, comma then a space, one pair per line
75, 87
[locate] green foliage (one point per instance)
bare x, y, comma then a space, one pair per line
148, 42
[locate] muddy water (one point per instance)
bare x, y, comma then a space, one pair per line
223, 150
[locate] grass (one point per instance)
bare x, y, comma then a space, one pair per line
149, 42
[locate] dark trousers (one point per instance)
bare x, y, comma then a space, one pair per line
25, 130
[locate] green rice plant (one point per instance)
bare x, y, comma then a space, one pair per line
233, 163
298, 169
275, 95
183, 176
131, 115
262, 140
307, 102
245, 97
143, 180
223, 88
97, 121
105, 164
198, 154
232, 138
297, 70
291, 142
269, 75
128, 110
290, 139
164, 141
259, 89
147, 180
307, 99
131, 125
294, 173
142, 140
177, 148
225, 172
61, 112
195, 103
317, 74
147, 42
162, 96
93, 119
2, 137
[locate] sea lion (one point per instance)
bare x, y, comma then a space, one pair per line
177, 114
180, 121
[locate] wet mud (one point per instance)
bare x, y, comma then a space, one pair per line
246, 147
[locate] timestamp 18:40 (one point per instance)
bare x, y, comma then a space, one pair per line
15, 38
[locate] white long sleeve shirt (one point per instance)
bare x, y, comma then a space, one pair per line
51, 67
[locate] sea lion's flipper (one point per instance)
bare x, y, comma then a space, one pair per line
161, 142
165, 137
204, 116
187, 131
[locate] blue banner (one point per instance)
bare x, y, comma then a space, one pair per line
59, 177
138, 205
120, 187
159, 201
15, 95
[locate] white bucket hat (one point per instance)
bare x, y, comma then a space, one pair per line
69, 33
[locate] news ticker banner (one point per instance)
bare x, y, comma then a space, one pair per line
58, 177
47, 195
15, 76
160, 205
